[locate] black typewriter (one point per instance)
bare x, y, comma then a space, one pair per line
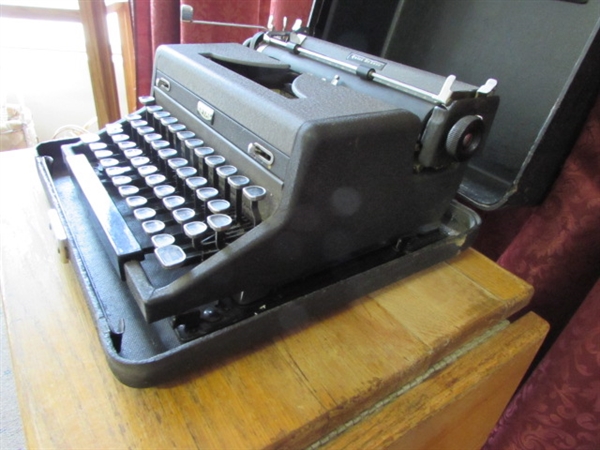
257, 186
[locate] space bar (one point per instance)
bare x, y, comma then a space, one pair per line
118, 240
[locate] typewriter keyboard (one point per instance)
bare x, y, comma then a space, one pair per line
181, 200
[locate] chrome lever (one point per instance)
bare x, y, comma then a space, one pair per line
187, 15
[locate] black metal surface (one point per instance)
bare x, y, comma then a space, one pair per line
545, 55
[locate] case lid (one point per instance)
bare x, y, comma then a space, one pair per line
544, 54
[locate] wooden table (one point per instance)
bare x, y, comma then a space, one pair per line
428, 362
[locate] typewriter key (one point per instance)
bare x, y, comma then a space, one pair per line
142, 214
255, 194
218, 206
145, 171
155, 179
153, 226
183, 215
164, 190
100, 154
121, 180
219, 223
176, 163
204, 194
224, 172
135, 201
173, 202
132, 153
195, 231
237, 182
213, 161
126, 145
128, 190
195, 182
118, 170
162, 240
201, 153
146, 100
181, 136
170, 256
109, 162
139, 161
190, 145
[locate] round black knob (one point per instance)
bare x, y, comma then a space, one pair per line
465, 137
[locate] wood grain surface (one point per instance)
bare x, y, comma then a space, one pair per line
288, 393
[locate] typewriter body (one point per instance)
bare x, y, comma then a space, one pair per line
257, 185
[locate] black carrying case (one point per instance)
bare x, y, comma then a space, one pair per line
544, 54
539, 118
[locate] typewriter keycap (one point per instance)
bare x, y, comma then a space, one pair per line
100, 154
146, 100
195, 183
190, 145
145, 213
109, 162
176, 163
237, 183
135, 124
153, 226
166, 121
89, 138
131, 153
118, 170
173, 202
166, 154
128, 190
121, 180
162, 240
135, 201
155, 179
148, 170
218, 206
153, 108
175, 128
186, 172
219, 223
224, 172
133, 116
113, 128
95, 146
152, 137
255, 194
126, 145
195, 229
164, 190
204, 194
117, 138
213, 161
139, 161
183, 215
170, 256
160, 144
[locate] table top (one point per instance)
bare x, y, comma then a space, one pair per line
284, 393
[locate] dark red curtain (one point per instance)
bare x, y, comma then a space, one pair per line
556, 248
157, 22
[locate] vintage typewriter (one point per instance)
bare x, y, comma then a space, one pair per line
257, 186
